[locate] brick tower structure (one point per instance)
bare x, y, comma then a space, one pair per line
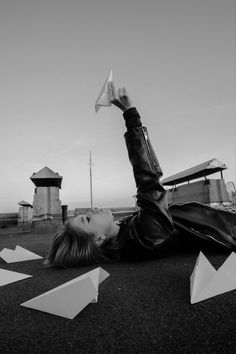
46, 196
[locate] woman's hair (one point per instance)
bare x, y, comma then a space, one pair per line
72, 247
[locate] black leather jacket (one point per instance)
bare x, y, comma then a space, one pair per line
156, 230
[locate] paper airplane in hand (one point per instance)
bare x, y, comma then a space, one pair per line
18, 255
7, 276
104, 96
68, 299
206, 282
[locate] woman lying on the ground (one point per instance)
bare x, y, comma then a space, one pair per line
153, 231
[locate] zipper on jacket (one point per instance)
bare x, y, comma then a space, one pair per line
152, 160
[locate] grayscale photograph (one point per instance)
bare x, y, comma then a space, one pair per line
118, 176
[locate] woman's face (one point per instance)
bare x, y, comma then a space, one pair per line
96, 221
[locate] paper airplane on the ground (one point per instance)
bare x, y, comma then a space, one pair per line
104, 96
18, 255
68, 299
206, 281
7, 276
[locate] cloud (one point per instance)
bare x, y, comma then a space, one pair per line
72, 146
202, 111
197, 117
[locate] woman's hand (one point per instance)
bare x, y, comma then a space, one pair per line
120, 99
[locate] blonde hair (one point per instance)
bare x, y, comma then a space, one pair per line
73, 248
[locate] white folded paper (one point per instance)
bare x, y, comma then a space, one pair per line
7, 276
18, 255
206, 282
104, 96
68, 299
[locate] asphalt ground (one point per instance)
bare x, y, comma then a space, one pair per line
142, 308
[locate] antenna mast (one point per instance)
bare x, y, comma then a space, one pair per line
91, 182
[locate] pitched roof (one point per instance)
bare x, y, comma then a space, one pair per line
45, 173
46, 177
24, 203
202, 170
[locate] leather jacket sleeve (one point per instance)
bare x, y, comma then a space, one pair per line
148, 229
151, 195
141, 154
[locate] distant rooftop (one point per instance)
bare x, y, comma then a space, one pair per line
202, 170
24, 203
46, 177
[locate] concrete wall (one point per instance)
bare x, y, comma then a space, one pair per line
83, 211
46, 201
118, 213
8, 219
46, 226
206, 191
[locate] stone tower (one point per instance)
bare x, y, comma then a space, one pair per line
46, 196
25, 212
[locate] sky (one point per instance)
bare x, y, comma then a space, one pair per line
175, 57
